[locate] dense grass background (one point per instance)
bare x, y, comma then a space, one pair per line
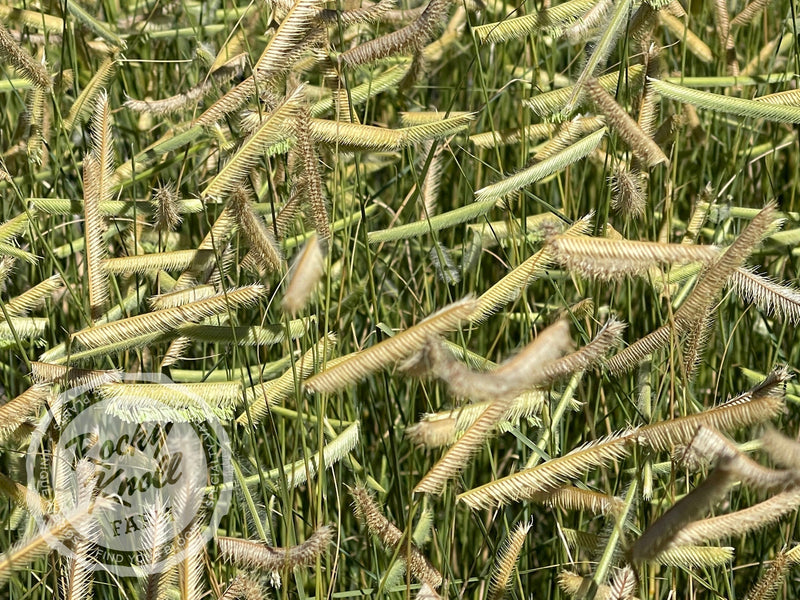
373, 290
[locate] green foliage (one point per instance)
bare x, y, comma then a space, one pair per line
162, 163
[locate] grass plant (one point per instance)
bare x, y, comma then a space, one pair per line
491, 299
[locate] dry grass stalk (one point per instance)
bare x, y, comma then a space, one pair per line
186, 100
176, 260
243, 588
713, 279
782, 301
72, 376
294, 35
63, 527
33, 297
505, 382
39, 121
695, 557
731, 416
584, 27
572, 498
567, 133
749, 12
767, 586
585, 358
97, 185
705, 292
623, 584
287, 215
274, 128
85, 103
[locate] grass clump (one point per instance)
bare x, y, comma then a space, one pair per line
538, 331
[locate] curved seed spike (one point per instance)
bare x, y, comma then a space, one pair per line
553, 17
766, 588
727, 104
444, 428
661, 534
605, 258
64, 376
255, 555
553, 164
501, 386
273, 129
550, 474
304, 276
294, 35
772, 298
263, 247
749, 12
84, 103
168, 319
642, 145
409, 39
740, 522
578, 499
695, 557
619, 14
12, 53
311, 186
17, 411
501, 574
549, 102
730, 416
33, 297
177, 260
186, 100
392, 350
379, 526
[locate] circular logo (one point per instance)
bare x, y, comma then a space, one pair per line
138, 475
